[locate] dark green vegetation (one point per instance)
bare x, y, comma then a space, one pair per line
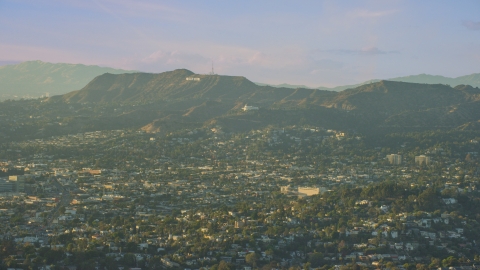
166, 102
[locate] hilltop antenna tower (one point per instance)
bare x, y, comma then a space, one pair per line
212, 72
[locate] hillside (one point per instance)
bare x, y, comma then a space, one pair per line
284, 85
395, 97
182, 98
36, 78
33, 79
143, 87
182, 85
472, 79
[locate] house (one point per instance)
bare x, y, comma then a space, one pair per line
450, 201
425, 223
384, 208
247, 108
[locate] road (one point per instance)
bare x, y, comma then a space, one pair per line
64, 201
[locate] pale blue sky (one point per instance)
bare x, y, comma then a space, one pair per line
316, 43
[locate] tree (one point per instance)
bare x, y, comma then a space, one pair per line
129, 260
223, 266
251, 259
7, 247
10, 261
421, 266
110, 263
450, 261
408, 266
341, 246
428, 200
315, 259
435, 263
70, 247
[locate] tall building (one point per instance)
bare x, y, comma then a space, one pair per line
394, 159
422, 159
6, 186
18, 182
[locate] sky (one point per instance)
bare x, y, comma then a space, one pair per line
314, 43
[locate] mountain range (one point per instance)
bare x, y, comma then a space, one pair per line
37, 78
472, 79
179, 98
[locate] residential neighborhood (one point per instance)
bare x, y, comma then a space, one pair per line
301, 197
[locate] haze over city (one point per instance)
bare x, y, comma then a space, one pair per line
313, 43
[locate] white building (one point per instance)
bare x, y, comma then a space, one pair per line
249, 108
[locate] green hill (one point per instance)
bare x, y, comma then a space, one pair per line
176, 85
182, 85
182, 98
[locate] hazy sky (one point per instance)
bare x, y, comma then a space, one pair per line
316, 43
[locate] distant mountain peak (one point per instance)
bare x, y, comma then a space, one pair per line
37, 78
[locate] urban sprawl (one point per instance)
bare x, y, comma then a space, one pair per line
276, 198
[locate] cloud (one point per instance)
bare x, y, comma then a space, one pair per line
258, 58
368, 51
470, 25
